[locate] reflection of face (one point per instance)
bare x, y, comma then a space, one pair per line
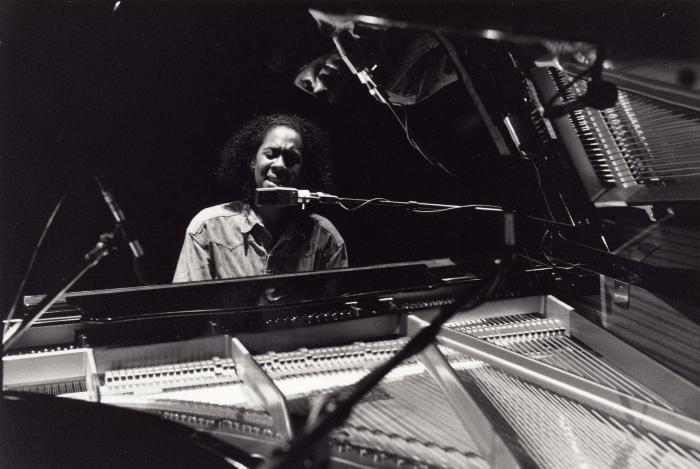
279, 160
323, 77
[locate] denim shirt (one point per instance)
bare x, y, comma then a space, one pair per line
229, 240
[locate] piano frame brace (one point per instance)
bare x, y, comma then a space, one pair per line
264, 388
628, 408
474, 420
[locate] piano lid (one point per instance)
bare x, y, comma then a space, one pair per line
656, 28
401, 55
254, 292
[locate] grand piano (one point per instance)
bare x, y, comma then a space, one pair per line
575, 346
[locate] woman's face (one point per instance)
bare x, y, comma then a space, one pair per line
279, 160
323, 77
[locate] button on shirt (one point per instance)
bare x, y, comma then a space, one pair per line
229, 240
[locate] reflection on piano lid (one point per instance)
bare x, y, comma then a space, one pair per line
641, 151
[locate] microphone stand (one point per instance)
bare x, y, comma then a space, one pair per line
103, 247
299, 453
338, 408
285, 196
412, 205
304, 197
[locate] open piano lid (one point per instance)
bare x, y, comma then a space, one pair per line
653, 28
656, 74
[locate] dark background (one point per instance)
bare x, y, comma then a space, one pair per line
147, 95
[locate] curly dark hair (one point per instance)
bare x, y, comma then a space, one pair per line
240, 149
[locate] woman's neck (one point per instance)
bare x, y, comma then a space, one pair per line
274, 218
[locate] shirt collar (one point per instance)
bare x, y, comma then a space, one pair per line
250, 220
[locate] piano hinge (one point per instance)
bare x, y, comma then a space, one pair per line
621, 294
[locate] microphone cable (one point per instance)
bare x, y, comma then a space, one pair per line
376, 91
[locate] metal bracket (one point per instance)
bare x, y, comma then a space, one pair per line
483, 432
262, 385
92, 380
621, 294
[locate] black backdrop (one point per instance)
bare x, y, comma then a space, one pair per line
146, 96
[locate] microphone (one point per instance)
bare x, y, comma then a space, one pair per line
120, 218
288, 196
600, 95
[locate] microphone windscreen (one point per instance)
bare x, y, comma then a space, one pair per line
280, 196
602, 95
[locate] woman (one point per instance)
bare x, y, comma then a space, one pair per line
238, 239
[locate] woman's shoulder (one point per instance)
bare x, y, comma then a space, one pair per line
325, 225
217, 213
